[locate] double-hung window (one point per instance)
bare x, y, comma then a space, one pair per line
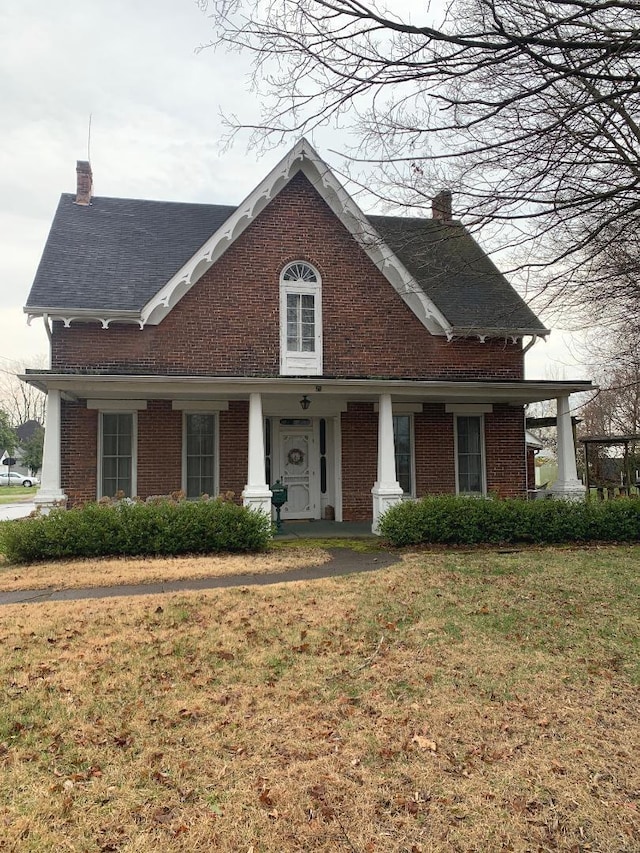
300, 320
470, 454
117, 454
200, 454
403, 441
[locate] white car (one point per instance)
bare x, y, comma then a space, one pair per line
15, 479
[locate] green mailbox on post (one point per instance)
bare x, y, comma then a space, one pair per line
279, 496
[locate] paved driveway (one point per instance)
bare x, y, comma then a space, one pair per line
16, 510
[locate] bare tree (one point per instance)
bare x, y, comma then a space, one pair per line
528, 110
615, 409
22, 402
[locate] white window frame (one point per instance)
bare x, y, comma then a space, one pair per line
301, 363
483, 455
216, 449
108, 410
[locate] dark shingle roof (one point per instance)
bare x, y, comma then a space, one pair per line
456, 274
116, 254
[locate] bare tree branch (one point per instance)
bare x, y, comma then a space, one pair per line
527, 110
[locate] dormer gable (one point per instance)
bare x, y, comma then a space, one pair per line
302, 158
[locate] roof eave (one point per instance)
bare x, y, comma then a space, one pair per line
118, 386
506, 332
103, 316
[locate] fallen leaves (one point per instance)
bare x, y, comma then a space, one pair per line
424, 743
409, 742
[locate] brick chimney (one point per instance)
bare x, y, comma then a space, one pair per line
441, 206
85, 182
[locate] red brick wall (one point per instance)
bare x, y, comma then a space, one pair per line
434, 451
505, 451
234, 444
160, 452
228, 323
159, 449
79, 452
359, 460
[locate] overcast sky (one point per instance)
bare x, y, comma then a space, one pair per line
156, 132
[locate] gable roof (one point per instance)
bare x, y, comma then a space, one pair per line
117, 253
462, 280
133, 259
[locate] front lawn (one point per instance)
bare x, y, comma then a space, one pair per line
456, 702
9, 494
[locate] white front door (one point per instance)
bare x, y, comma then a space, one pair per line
298, 471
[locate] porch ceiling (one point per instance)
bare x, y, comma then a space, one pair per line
119, 387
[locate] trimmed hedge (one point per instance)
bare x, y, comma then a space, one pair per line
136, 529
453, 520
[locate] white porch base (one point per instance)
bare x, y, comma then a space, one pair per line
258, 499
568, 490
46, 500
385, 495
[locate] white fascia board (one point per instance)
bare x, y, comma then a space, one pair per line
115, 386
533, 440
304, 158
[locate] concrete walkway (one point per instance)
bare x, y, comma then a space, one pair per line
18, 509
343, 562
320, 529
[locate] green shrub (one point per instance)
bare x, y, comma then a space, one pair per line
453, 520
136, 529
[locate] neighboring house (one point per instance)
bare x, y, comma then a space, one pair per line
18, 467
534, 446
24, 432
358, 359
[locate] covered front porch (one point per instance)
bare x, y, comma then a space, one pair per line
293, 530
345, 449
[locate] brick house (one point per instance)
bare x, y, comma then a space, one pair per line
358, 359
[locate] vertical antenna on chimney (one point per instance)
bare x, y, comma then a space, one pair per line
89, 140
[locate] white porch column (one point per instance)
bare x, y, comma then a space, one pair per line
567, 486
256, 494
386, 490
50, 492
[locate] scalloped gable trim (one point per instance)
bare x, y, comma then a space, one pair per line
302, 158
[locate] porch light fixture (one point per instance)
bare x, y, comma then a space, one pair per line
305, 403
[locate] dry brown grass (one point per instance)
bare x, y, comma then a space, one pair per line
453, 703
73, 574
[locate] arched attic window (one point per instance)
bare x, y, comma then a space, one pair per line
300, 320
